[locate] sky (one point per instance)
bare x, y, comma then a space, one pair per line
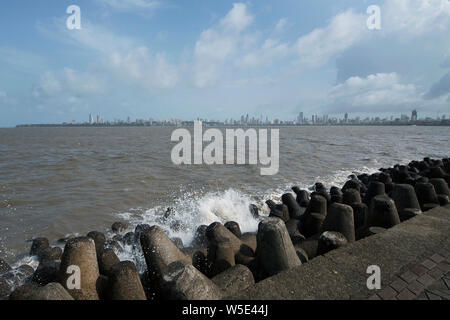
220, 59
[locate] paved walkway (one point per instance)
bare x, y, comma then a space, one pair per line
440, 290
413, 258
429, 280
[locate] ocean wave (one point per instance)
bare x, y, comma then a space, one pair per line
181, 218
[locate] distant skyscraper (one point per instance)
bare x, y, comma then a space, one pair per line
91, 119
346, 118
300, 118
414, 115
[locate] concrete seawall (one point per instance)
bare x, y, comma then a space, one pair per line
341, 274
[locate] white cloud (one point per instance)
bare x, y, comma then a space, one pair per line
5, 99
218, 44
117, 55
47, 86
281, 24
416, 17
344, 30
314, 49
237, 19
147, 70
20, 60
68, 82
376, 93
440, 88
215, 45
381, 93
91, 36
228, 47
271, 50
211, 52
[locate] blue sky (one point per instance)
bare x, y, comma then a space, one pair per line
219, 59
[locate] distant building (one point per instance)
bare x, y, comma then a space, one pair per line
300, 118
91, 119
414, 115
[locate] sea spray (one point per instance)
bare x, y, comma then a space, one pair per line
192, 210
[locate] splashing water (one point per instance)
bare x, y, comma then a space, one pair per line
193, 209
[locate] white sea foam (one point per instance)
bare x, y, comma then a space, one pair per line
193, 209
32, 261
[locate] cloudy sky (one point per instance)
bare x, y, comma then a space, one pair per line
220, 59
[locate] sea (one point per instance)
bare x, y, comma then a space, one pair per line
67, 181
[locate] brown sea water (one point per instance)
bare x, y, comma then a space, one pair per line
58, 182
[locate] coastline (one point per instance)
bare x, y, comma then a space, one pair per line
308, 227
433, 123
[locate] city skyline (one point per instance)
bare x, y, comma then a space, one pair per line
247, 119
170, 58
301, 119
